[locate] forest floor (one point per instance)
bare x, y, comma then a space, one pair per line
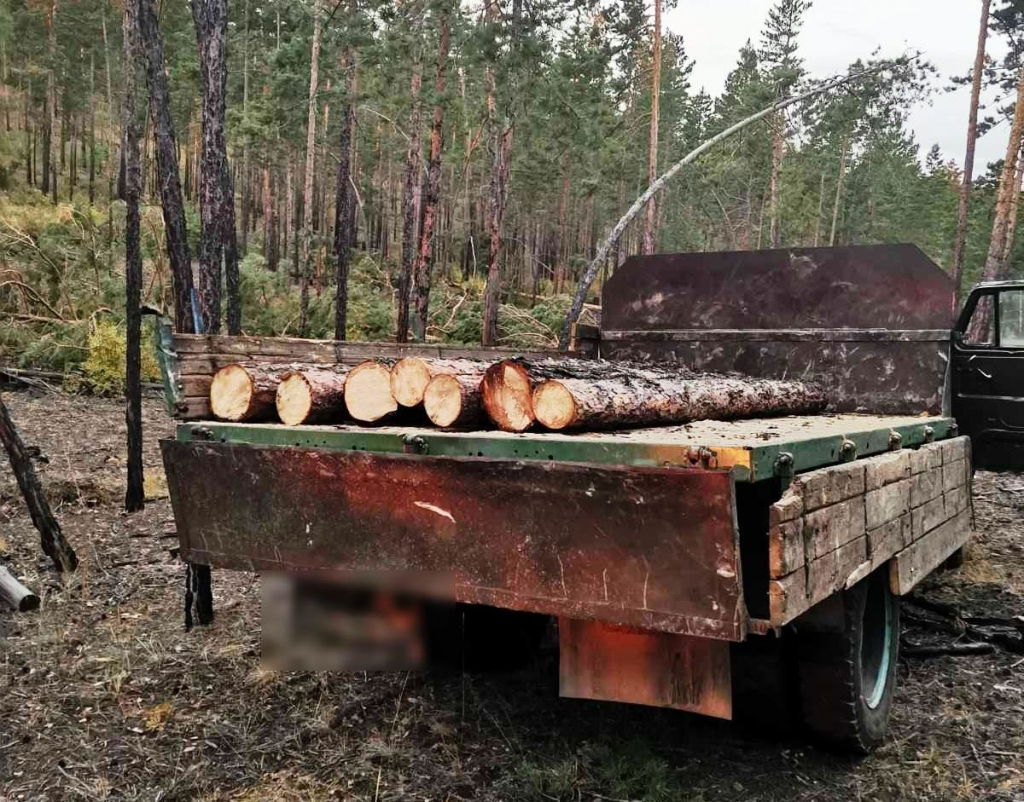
104, 696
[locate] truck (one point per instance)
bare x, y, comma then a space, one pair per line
677, 561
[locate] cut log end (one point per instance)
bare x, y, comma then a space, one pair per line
554, 405
507, 396
368, 396
231, 393
409, 379
294, 399
442, 400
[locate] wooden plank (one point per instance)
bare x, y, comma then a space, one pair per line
580, 541
828, 528
786, 548
619, 664
787, 597
194, 386
195, 408
923, 556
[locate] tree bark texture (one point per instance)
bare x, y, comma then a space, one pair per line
344, 202
412, 196
307, 190
495, 223
210, 17
171, 201
995, 263
424, 266
55, 546
134, 498
972, 138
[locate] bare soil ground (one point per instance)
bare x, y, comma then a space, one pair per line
104, 696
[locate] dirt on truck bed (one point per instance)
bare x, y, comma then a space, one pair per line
103, 695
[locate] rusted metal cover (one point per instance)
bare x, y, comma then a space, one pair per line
620, 664
871, 323
646, 547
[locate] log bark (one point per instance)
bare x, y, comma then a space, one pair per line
246, 392
454, 399
368, 396
411, 375
15, 594
644, 399
54, 544
311, 396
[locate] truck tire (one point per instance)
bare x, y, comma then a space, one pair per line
847, 651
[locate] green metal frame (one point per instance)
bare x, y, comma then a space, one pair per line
777, 460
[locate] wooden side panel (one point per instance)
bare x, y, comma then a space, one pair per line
618, 664
647, 547
836, 525
926, 554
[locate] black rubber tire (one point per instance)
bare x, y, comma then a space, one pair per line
848, 647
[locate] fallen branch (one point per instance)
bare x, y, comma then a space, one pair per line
951, 649
587, 279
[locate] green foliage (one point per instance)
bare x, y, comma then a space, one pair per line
104, 369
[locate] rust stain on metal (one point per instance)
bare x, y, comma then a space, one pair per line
563, 539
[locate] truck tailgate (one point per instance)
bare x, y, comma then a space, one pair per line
655, 548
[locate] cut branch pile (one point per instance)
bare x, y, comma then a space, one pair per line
513, 394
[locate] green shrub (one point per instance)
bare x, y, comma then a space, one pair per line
104, 369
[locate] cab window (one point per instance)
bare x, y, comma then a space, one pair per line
1011, 319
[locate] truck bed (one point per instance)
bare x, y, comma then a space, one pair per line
750, 447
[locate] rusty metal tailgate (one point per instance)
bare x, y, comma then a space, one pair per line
655, 548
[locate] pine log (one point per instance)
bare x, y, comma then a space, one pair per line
506, 395
454, 400
311, 396
411, 375
368, 396
650, 398
15, 594
246, 392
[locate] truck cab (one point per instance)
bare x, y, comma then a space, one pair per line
987, 360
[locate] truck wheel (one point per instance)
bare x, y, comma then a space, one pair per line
847, 652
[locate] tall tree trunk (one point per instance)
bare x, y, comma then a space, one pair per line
344, 206
1011, 226
821, 207
50, 160
92, 129
216, 210
844, 147
652, 149
111, 161
134, 496
246, 192
995, 264
413, 193
425, 258
972, 138
269, 223
171, 201
307, 194
496, 219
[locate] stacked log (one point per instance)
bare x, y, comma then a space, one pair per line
368, 396
515, 394
311, 396
579, 394
245, 392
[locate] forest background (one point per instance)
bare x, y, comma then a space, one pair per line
429, 170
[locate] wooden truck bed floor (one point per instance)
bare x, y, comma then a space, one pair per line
750, 447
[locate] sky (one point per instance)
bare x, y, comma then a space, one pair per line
837, 32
